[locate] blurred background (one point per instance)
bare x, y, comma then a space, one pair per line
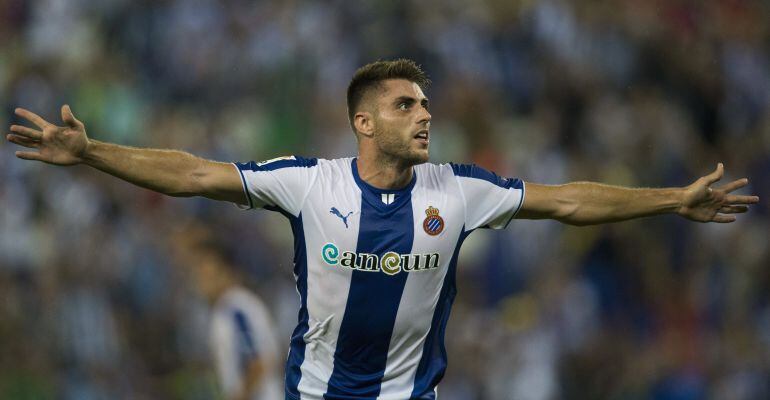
96, 305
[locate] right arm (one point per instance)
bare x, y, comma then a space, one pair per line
171, 172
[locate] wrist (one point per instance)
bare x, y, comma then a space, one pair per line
89, 151
678, 195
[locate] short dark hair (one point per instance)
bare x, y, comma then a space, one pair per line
371, 75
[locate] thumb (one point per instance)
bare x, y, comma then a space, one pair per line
716, 175
69, 118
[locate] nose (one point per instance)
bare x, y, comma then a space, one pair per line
425, 117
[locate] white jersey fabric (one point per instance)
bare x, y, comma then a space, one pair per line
241, 332
375, 269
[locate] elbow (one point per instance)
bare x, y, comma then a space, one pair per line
189, 186
568, 212
571, 213
576, 222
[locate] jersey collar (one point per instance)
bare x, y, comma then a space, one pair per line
374, 195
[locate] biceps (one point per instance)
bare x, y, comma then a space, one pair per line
545, 201
220, 181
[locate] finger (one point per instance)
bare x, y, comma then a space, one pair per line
69, 118
716, 175
32, 117
723, 219
734, 185
737, 199
29, 155
23, 141
28, 132
733, 209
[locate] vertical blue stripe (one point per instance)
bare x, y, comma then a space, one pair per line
372, 305
434, 358
297, 344
246, 345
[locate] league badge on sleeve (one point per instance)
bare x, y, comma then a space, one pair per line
433, 224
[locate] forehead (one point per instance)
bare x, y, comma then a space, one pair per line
395, 88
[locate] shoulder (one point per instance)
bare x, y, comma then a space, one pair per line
237, 294
334, 171
273, 164
239, 297
336, 164
296, 162
435, 176
475, 172
456, 169
431, 169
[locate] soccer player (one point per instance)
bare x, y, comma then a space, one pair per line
241, 335
377, 235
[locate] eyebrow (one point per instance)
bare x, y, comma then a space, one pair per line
410, 100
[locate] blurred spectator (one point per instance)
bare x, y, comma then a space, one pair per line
241, 333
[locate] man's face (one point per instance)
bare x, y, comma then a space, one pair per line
402, 121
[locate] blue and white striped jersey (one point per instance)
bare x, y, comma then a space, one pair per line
241, 333
375, 269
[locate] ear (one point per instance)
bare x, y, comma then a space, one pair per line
364, 123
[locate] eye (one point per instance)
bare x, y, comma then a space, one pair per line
403, 106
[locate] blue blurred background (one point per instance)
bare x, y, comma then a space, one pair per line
643, 93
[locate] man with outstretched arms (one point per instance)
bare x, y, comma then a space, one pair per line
376, 236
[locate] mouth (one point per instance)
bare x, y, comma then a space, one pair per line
422, 136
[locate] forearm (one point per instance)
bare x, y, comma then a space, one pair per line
170, 172
587, 203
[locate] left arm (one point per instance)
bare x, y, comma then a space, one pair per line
588, 203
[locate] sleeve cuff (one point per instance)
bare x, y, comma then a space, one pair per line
521, 203
250, 205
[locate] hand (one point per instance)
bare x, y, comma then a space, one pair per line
703, 203
59, 145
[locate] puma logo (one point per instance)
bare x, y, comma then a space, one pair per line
344, 218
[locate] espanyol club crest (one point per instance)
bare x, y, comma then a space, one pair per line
433, 224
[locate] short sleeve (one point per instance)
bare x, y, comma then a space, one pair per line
280, 184
491, 201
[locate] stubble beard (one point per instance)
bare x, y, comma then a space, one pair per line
394, 150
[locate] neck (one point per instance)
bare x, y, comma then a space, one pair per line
215, 292
383, 173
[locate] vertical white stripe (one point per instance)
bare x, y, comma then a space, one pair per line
327, 285
422, 289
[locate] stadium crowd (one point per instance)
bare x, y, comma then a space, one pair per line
639, 93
